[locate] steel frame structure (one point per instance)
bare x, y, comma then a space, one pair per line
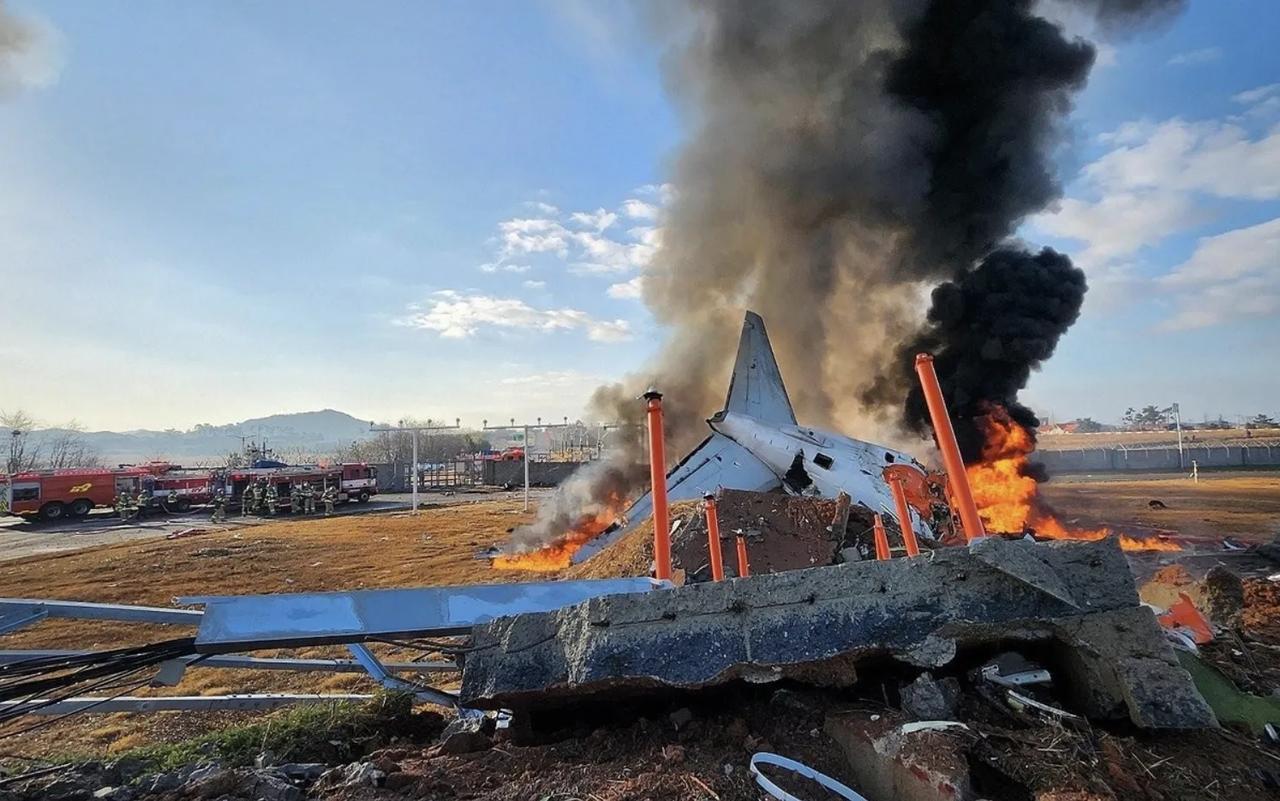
231, 625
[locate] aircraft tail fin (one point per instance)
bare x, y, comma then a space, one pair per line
756, 388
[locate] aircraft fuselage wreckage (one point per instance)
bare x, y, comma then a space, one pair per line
757, 445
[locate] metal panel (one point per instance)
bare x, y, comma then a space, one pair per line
241, 622
260, 663
80, 610
178, 703
717, 462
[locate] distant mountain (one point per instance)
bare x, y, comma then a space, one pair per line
291, 436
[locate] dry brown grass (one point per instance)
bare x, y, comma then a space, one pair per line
436, 548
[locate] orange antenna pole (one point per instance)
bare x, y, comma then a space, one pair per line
904, 516
658, 476
744, 569
882, 539
713, 538
946, 436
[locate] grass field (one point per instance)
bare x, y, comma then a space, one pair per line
437, 547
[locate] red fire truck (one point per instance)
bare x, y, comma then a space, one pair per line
57, 494
354, 482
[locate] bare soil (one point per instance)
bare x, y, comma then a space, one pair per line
1238, 505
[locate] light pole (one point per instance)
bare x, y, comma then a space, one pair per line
525, 427
457, 423
1177, 423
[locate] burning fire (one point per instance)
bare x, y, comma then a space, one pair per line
557, 554
1008, 496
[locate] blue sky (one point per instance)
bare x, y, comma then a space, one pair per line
217, 210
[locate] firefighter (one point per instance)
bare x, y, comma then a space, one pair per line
259, 495
122, 505
309, 498
219, 503
143, 503
273, 499
330, 495
171, 500
295, 499
246, 501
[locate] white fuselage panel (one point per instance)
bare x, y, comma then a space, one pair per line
835, 463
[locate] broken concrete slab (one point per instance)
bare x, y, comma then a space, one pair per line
816, 625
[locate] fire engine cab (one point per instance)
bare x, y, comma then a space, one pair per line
56, 494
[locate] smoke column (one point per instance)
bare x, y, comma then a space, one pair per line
987, 330
843, 159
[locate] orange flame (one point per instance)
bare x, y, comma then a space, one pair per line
558, 554
1008, 497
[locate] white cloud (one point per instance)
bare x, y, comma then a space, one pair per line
600, 254
1232, 255
1229, 276
1152, 184
1214, 157
1261, 102
534, 235
457, 315
32, 53
1257, 95
545, 209
1119, 224
534, 284
627, 290
639, 210
1203, 55
583, 238
493, 267
598, 220
665, 193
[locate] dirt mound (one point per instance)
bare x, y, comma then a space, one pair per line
782, 532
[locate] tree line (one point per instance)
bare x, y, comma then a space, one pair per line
1157, 418
55, 447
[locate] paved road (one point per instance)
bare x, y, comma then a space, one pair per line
20, 538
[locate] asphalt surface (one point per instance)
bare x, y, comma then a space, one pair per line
21, 538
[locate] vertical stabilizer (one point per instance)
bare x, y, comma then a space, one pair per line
756, 388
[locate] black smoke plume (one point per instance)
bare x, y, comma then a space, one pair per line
988, 330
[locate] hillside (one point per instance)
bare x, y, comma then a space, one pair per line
313, 433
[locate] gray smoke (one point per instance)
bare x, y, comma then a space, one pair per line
28, 57
844, 158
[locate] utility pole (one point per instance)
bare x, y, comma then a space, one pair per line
429, 427
525, 428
